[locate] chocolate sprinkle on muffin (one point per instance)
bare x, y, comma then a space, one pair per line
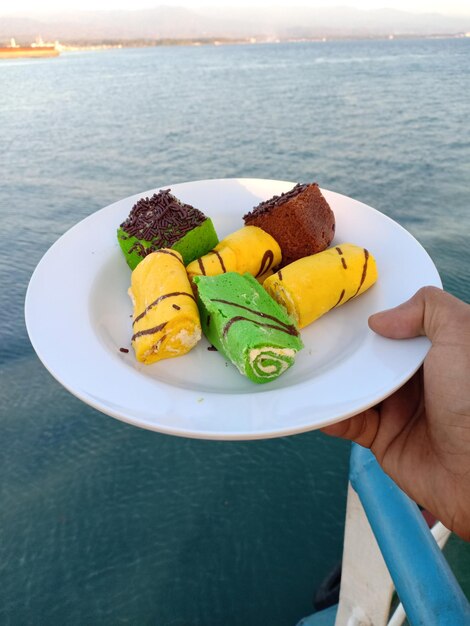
164, 221
161, 219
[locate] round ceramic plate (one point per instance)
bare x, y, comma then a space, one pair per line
78, 316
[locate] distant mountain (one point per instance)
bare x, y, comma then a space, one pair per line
162, 22
180, 23
345, 21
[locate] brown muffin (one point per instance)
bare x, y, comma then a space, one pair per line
300, 220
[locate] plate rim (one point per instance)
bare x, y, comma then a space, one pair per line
234, 435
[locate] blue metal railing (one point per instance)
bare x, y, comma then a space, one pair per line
425, 584
424, 581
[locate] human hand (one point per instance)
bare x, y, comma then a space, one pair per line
420, 435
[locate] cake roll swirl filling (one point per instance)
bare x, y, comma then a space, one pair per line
246, 325
270, 361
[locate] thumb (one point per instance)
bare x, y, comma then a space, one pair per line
423, 314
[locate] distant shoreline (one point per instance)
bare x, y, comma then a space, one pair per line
106, 44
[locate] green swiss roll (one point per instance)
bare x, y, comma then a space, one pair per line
246, 325
163, 221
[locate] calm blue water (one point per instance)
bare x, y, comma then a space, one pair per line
102, 523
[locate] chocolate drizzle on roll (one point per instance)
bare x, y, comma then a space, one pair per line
201, 267
266, 262
221, 261
290, 329
173, 294
171, 254
364, 271
343, 261
340, 298
363, 275
149, 331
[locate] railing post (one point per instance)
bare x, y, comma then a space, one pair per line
366, 587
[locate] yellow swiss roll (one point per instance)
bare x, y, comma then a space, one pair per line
166, 318
249, 249
313, 285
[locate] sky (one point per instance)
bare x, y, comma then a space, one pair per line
449, 7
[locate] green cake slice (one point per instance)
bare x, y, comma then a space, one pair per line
246, 325
163, 221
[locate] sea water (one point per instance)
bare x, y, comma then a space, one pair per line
103, 523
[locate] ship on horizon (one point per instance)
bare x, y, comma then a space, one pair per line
36, 49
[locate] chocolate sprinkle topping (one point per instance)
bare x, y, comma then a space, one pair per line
161, 220
125, 350
268, 205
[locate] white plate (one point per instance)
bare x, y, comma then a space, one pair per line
78, 316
